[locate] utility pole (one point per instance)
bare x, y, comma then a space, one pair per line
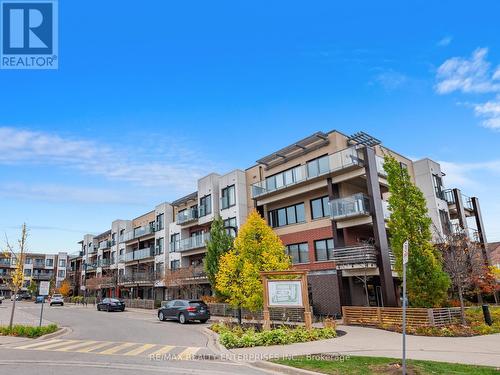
405, 261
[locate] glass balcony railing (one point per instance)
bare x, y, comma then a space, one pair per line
139, 254
380, 166
354, 205
104, 245
385, 210
137, 232
190, 243
103, 262
315, 168
5, 262
187, 216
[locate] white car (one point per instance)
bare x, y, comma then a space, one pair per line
2, 298
57, 299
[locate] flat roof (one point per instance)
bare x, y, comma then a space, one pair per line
186, 198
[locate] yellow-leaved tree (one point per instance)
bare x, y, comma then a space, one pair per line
256, 248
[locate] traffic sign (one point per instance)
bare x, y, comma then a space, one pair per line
44, 288
406, 246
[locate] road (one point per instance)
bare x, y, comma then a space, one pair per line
115, 343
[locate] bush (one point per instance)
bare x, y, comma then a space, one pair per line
27, 331
238, 337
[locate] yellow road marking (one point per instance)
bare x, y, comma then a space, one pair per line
74, 346
38, 343
163, 350
93, 347
140, 349
187, 353
115, 349
52, 346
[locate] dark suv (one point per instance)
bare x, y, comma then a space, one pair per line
184, 310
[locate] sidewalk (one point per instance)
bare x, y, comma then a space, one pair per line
478, 350
20, 316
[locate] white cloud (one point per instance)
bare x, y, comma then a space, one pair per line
390, 80
445, 41
459, 174
490, 112
59, 193
178, 169
468, 75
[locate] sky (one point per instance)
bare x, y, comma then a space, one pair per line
150, 96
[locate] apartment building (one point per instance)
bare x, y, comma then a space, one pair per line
325, 196
37, 267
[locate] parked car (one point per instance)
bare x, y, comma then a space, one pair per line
25, 295
184, 311
57, 299
17, 297
111, 304
39, 299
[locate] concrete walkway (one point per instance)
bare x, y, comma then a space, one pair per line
478, 350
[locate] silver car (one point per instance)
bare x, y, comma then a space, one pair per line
57, 299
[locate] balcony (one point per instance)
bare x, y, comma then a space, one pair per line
139, 254
315, 168
137, 232
449, 197
190, 243
45, 276
5, 262
104, 245
186, 275
137, 277
362, 256
104, 262
186, 216
39, 264
349, 207
92, 249
90, 266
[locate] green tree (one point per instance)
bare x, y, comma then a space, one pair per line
220, 242
427, 283
256, 248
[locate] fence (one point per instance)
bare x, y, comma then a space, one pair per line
140, 303
284, 314
377, 316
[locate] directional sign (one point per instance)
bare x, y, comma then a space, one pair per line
406, 246
44, 288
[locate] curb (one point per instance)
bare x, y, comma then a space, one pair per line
282, 369
60, 332
213, 342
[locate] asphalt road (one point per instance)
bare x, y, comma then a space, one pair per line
129, 342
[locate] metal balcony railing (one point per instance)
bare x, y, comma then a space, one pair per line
187, 216
351, 206
137, 277
361, 256
190, 243
139, 254
5, 262
315, 168
449, 197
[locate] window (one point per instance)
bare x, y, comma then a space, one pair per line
174, 242
445, 222
323, 249
159, 222
230, 225
159, 246
438, 186
285, 178
159, 269
320, 207
299, 252
61, 274
175, 264
27, 272
287, 215
49, 262
206, 205
318, 166
62, 263
228, 198
28, 261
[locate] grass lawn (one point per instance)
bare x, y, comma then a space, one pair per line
353, 365
27, 331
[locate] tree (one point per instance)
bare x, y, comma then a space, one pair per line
427, 283
256, 248
17, 280
65, 288
33, 288
219, 243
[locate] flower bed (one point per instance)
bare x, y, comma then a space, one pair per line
233, 336
28, 331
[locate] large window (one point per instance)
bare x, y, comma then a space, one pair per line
175, 264
299, 252
318, 166
323, 249
159, 222
287, 215
62, 263
285, 178
159, 246
205, 205
174, 242
438, 186
61, 274
320, 208
228, 198
230, 225
49, 262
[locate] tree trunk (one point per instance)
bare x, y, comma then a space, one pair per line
239, 315
462, 307
13, 308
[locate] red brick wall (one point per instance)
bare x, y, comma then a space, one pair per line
310, 236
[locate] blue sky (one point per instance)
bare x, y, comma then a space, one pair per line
148, 98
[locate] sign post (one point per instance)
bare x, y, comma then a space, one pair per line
43, 291
406, 246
